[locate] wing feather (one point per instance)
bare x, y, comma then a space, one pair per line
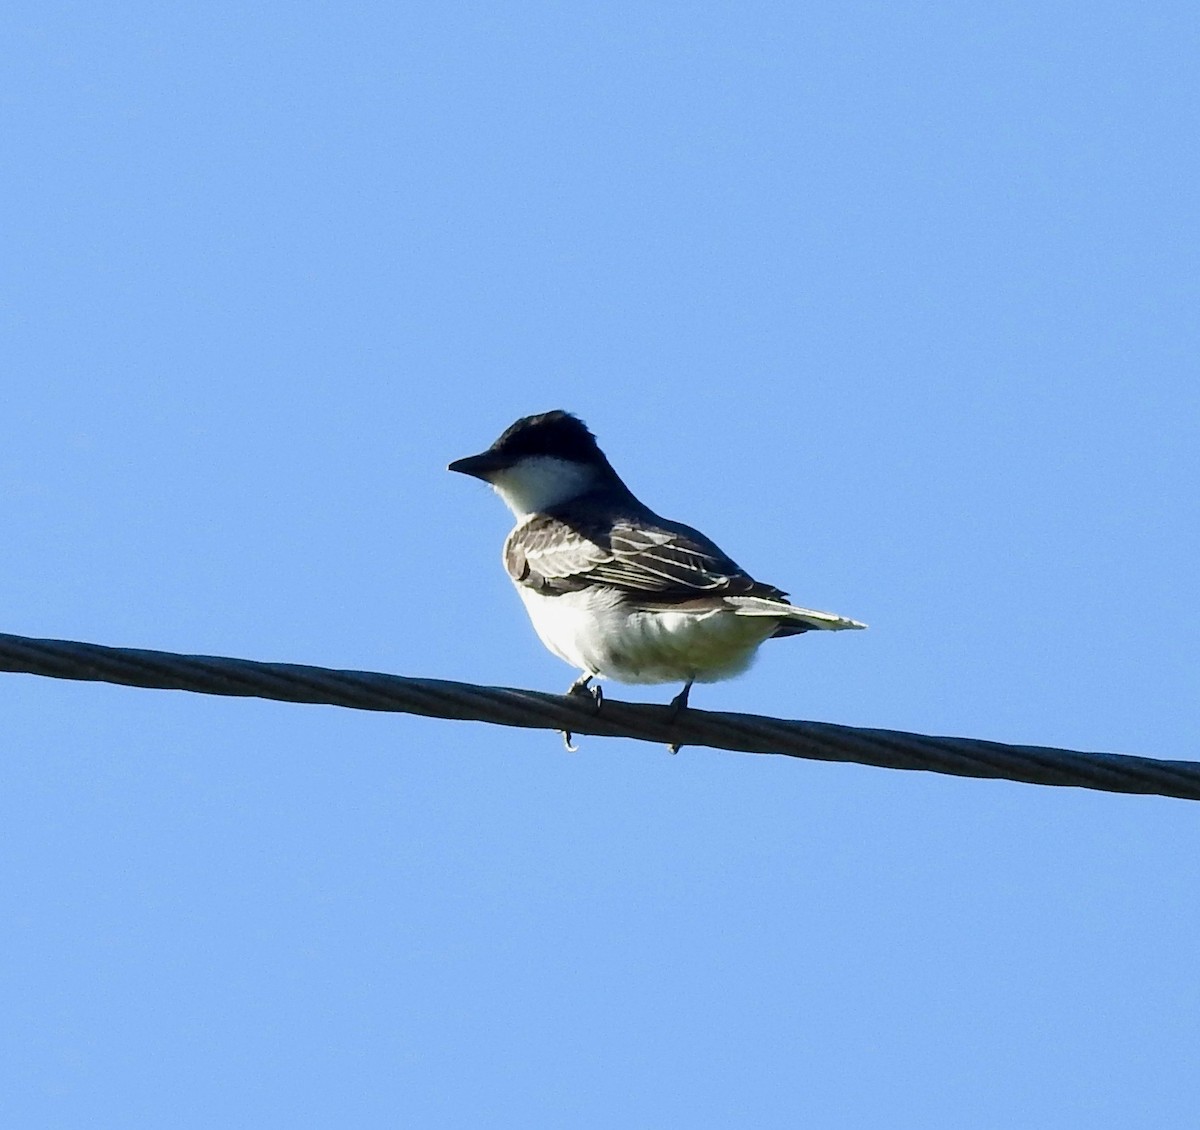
649, 556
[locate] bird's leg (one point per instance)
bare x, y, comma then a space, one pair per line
681, 700
678, 705
582, 686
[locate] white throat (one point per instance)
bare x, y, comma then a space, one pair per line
541, 481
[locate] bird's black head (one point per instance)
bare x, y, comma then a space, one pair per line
548, 435
543, 460
557, 434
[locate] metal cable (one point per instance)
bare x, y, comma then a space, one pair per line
745, 733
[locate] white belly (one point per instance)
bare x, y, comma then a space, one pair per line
596, 632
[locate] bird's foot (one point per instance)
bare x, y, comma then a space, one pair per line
678, 705
582, 686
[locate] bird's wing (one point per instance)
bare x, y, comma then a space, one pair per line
654, 559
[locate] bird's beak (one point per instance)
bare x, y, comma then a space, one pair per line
481, 466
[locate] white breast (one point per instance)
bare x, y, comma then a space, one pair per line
595, 631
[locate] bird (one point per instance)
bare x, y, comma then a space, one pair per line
614, 589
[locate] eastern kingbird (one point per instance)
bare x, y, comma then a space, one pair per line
612, 588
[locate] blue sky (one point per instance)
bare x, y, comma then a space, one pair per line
897, 301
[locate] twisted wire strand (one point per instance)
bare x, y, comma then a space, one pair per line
743, 733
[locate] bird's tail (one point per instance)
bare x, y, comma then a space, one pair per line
792, 620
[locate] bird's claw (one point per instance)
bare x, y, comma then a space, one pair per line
582, 686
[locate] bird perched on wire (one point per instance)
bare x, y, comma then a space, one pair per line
614, 589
